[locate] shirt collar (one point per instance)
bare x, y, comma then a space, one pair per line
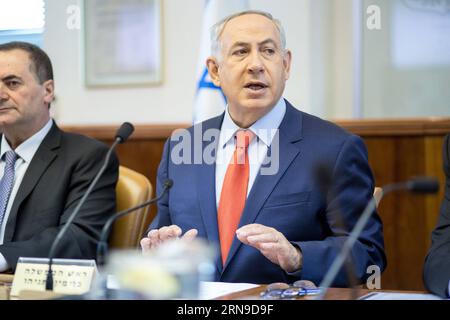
28, 148
263, 128
228, 129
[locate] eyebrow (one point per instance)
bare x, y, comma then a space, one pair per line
244, 44
11, 77
268, 41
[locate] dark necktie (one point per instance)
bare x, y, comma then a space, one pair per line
7, 182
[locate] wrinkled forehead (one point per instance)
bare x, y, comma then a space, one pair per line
251, 28
17, 62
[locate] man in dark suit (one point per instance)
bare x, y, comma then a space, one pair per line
249, 184
437, 262
44, 171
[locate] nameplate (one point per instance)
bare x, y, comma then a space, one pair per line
72, 277
4, 292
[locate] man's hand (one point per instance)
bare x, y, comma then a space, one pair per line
273, 245
157, 236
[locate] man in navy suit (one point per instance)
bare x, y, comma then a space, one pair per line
279, 222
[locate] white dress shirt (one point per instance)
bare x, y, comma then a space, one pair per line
264, 129
26, 152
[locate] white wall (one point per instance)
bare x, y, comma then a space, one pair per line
320, 34
169, 102
416, 84
172, 101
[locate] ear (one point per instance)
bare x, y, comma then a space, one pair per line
213, 70
49, 87
287, 64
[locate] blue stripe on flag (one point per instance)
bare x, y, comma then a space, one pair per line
205, 84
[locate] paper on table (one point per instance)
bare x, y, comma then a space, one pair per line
211, 290
208, 290
399, 296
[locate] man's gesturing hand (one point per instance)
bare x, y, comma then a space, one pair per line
273, 245
157, 236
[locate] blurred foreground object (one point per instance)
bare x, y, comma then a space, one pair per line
172, 270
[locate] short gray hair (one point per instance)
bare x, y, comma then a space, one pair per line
217, 29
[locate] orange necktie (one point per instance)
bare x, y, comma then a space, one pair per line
234, 192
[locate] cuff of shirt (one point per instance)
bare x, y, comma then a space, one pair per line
3, 264
298, 273
448, 290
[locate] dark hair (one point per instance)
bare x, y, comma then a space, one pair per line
41, 64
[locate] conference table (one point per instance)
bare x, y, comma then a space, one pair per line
332, 294
248, 294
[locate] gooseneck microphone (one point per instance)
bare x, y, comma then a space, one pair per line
123, 133
102, 247
422, 185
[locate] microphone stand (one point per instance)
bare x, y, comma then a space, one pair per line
361, 223
102, 247
324, 176
122, 135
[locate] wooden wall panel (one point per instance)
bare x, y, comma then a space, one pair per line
384, 173
408, 219
398, 150
434, 167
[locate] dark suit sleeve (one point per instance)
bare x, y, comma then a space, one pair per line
163, 216
351, 190
437, 262
82, 236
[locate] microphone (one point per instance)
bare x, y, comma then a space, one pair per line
123, 133
102, 247
422, 185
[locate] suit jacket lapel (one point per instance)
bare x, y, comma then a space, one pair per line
206, 186
290, 133
41, 160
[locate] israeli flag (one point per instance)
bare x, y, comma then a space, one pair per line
209, 99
